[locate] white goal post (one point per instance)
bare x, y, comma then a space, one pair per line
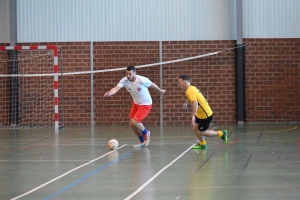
26, 82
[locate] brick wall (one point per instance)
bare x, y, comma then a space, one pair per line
214, 75
273, 80
4, 81
108, 55
271, 91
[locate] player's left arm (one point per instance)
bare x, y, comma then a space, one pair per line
185, 105
154, 86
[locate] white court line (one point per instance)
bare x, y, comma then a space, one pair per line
43, 160
156, 175
22, 195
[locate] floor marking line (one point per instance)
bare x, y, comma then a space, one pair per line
204, 162
282, 130
68, 172
247, 163
44, 160
259, 137
158, 173
86, 176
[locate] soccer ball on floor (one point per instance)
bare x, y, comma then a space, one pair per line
113, 144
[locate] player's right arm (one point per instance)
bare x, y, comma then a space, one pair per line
194, 103
194, 110
112, 91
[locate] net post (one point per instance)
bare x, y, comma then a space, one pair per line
61, 104
55, 71
160, 84
92, 83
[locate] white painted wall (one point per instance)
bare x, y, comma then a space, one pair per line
271, 18
125, 20
148, 20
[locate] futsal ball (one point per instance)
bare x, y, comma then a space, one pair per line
113, 144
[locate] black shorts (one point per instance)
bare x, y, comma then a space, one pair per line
203, 123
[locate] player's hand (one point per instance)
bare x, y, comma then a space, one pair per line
185, 106
193, 121
106, 94
162, 91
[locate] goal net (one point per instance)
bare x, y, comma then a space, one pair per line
29, 87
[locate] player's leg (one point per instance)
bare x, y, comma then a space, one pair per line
136, 118
200, 138
132, 124
210, 133
201, 130
141, 114
222, 134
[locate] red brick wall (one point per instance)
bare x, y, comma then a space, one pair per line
4, 96
214, 75
272, 75
273, 80
108, 55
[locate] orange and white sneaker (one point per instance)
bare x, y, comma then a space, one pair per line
147, 138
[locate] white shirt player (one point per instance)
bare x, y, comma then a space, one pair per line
138, 89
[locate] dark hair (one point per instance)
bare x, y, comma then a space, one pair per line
129, 68
185, 77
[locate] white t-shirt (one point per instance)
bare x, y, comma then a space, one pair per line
138, 89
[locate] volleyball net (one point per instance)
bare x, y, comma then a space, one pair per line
31, 85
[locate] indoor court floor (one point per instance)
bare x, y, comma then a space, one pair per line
260, 161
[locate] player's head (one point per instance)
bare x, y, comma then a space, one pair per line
130, 73
184, 81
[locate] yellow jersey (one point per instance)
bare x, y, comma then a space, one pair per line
204, 111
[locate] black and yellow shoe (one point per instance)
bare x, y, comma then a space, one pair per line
198, 146
224, 136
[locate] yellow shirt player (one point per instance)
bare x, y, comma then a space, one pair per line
204, 111
201, 115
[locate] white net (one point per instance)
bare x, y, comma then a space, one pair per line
26, 101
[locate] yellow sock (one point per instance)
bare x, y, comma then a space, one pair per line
220, 133
202, 143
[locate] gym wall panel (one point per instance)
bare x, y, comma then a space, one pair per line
4, 21
128, 20
271, 18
